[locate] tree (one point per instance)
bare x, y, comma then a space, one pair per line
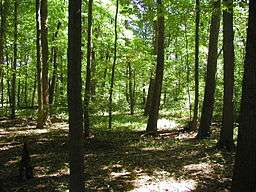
38, 59
226, 133
208, 103
113, 70
74, 88
2, 32
54, 53
155, 103
244, 174
88, 71
197, 36
14, 64
44, 55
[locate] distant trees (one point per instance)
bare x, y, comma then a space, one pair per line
155, 102
244, 173
74, 89
208, 102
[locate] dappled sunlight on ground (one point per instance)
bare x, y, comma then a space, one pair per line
117, 160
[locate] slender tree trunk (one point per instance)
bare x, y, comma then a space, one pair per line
197, 39
18, 94
154, 111
188, 74
26, 84
93, 76
131, 88
226, 133
54, 53
14, 64
2, 26
87, 92
208, 103
244, 173
74, 88
39, 60
34, 91
44, 51
113, 70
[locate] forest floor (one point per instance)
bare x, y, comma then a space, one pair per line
121, 159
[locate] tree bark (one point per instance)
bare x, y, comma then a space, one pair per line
74, 87
54, 53
39, 60
154, 111
244, 173
14, 64
44, 53
149, 96
197, 39
226, 133
208, 103
2, 30
87, 92
113, 70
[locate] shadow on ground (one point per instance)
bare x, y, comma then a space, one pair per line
115, 161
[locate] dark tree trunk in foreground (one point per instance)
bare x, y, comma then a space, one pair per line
197, 38
154, 111
74, 87
14, 64
244, 176
208, 103
226, 134
113, 71
87, 92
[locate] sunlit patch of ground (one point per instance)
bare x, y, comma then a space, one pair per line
146, 183
164, 124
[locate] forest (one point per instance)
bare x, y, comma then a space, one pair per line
128, 95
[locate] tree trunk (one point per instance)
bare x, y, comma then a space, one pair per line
188, 74
14, 64
2, 30
197, 39
149, 96
154, 111
226, 133
54, 52
87, 92
39, 60
76, 181
208, 103
113, 70
244, 173
44, 53
131, 86
93, 76
34, 91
